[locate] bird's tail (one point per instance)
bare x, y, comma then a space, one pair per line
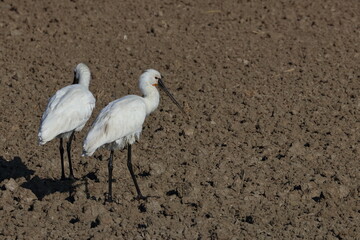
86, 153
41, 140
46, 134
88, 148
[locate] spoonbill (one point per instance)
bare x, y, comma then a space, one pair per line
67, 112
119, 124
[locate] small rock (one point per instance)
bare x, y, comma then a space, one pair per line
185, 189
294, 198
157, 169
189, 131
91, 211
105, 218
15, 127
8, 208
15, 32
27, 195
311, 186
154, 207
17, 76
296, 149
343, 191
333, 192
80, 193
11, 185
4, 195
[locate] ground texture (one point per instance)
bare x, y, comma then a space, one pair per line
269, 149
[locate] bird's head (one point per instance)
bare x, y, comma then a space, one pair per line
150, 77
82, 75
153, 78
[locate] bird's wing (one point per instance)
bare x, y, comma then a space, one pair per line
118, 119
68, 109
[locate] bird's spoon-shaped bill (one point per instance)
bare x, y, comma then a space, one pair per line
162, 86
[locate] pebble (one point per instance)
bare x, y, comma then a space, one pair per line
344, 191
153, 207
27, 195
189, 131
157, 168
105, 218
11, 185
15, 32
93, 211
297, 149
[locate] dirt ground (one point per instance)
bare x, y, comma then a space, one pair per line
269, 149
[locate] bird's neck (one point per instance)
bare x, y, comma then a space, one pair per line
152, 99
85, 79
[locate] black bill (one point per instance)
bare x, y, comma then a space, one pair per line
161, 84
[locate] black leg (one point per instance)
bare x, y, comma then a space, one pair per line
61, 148
129, 164
68, 148
110, 167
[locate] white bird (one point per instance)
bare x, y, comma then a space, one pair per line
68, 111
119, 124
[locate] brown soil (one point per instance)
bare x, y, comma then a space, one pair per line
270, 148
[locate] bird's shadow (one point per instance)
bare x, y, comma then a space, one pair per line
40, 187
13, 169
43, 187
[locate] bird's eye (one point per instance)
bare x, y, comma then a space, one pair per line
157, 78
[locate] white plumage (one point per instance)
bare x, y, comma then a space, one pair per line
68, 110
119, 124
